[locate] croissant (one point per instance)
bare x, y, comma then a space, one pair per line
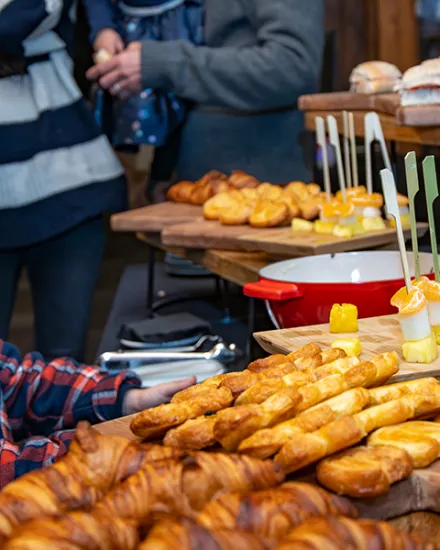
93, 465
364, 471
185, 487
264, 389
265, 443
153, 423
272, 513
305, 449
339, 533
236, 423
420, 440
184, 534
76, 531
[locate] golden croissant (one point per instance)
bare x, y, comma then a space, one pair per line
272, 513
338, 533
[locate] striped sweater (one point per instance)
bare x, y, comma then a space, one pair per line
56, 168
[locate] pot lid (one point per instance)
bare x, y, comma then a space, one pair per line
349, 267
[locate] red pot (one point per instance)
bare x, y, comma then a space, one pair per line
301, 292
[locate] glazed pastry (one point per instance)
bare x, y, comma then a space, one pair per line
201, 193
180, 192
266, 443
261, 365
214, 207
238, 214
269, 214
305, 449
184, 534
313, 189
292, 207
421, 386
364, 471
212, 177
431, 290
193, 435
269, 192
421, 440
310, 208
315, 360
241, 180
339, 533
272, 513
237, 423
420, 344
154, 423
309, 350
299, 190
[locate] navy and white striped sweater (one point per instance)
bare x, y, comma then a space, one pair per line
56, 168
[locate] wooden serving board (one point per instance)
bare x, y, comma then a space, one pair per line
377, 335
277, 241
155, 217
349, 101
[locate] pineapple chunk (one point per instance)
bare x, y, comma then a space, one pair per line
343, 319
351, 346
424, 351
301, 226
345, 231
324, 228
404, 218
436, 330
375, 223
358, 229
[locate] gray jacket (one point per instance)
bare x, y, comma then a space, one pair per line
260, 56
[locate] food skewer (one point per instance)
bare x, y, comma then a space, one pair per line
373, 132
334, 140
432, 193
412, 179
346, 144
390, 195
354, 163
322, 142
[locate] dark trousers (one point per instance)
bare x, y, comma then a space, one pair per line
62, 273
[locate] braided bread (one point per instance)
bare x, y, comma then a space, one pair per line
272, 513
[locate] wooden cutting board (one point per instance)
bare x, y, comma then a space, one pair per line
277, 241
155, 217
377, 335
349, 101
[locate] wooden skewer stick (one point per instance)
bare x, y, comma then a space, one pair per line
431, 188
334, 140
346, 144
354, 163
412, 182
322, 142
390, 194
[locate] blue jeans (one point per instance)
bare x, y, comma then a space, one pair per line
62, 273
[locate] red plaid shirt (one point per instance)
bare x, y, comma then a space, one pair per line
41, 403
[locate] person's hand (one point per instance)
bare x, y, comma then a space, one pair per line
137, 400
110, 41
122, 74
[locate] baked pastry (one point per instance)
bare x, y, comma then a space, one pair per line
269, 214
201, 193
299, 190
317, 359
314, 190
421, 386
420, 440
215, 206
237, 214
310, 208
269, 192
305, 449
339, 533
212, 177
420, 85
93, 465
272, 513
364, 471
292, 207
193, 435
185, 534
272, 361
154, 423
267, 442
237, 423
241, 180
374, 77
180, 192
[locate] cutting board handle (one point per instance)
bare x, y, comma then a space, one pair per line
272, 290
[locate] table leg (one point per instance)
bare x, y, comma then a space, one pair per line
251, 329
151, 262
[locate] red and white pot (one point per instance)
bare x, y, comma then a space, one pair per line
301, 292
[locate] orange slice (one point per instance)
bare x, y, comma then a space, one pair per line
411, 303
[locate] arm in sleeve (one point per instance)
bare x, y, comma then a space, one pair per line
20, 18
33, 453
42, 398
284, 64
100, 14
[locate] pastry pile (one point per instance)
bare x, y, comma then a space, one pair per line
300, 409
112, 494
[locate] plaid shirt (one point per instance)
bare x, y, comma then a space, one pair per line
41, 403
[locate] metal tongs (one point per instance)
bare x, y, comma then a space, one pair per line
221, 352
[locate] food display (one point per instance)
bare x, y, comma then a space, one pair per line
375, 77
